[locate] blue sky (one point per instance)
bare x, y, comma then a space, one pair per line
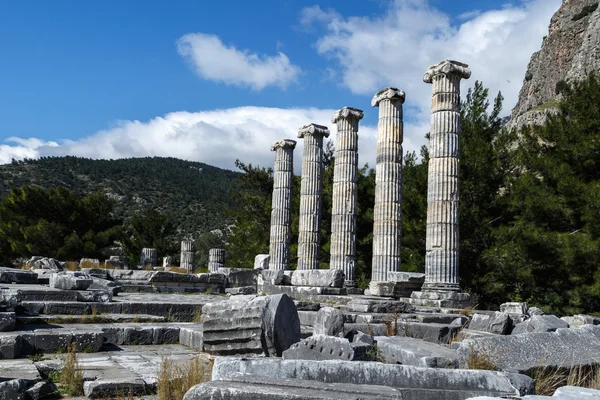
216, 81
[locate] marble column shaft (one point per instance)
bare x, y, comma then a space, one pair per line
149, 256
441, 259
188, 255
387, 212
311, 189
281, 209
345, 193
216, 259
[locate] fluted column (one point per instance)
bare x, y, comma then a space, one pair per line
216, 259
149, 257
441, 259
281, 211
387, 212
311, 188
188, 255
345, 192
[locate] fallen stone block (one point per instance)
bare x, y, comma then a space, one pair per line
40, 390
192, 336
368, 329
409, 351
379, 306
10, 346
95, 296
539, 323
565, 348
70, 280
307, 305
44, 263
307, 318
20, 276
237, 277
261, 261
105, 284
499, 322
8, 321
101, 273
271, 276
415, 383
435, 333
579, 320
382, 289
131, 275
13, 389
264, 325
576, 393
318, 278
105, 388
328, 321
243, 290
320, 347
249, 387
9, 298
514, 308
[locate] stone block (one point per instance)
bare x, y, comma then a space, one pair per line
355, 336
237, 277
329, 321
106, 388
382, 289
101, 273
318, 278
263, 325
440, 298
131, 275
105, 284
514, 308
539, 323
70, 280
13, 389
243, 290
565, 348
366, 305
192, 336
579, 320
20, 276
435, 333
307, 305
250, 387
8, 321
40, 390
9, 298
95, 296
52, 340
368, 329
576, 393
261, 261
534, 311
10, 346
272, 276
166, 334
320, 347
89, 340
44, 263
409, 351
499, 322
67, 308
413, 382
307, 318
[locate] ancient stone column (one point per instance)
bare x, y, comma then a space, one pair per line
387, 212
281, 209
216, 259
345, 192
311, 188
188, 255
149, 257
441, 260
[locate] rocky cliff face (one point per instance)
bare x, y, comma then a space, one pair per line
569, 52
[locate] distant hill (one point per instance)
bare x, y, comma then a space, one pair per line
196, 195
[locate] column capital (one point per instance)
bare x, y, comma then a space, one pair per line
313, 130
283, 144
447, 67
388, 93
347, 113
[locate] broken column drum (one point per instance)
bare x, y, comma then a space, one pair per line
387, 212
149, 257
281, 208
216, 259
441, 259
188, 255
311, 188
345, 193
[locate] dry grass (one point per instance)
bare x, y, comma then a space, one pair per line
71, 266
548, 379
197, 315
71, 376
25, 266
468, 311
175, 380
148, 267
480, 360
88, 264
391, 325
177, 270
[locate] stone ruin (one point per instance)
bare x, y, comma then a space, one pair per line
273, 333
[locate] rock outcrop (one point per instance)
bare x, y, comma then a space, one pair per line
569, 52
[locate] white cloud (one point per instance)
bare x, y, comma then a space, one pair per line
213, 60
214, 137
396, 47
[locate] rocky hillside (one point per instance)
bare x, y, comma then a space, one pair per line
196, 195
569, 52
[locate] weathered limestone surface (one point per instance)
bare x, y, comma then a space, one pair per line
345, 193
410, 351
580, 319
565, 348
441, 259
366, 305
499, 322
540, 323
329, 321
387, 212
414, 382
261, 261
251, 325
237, 277
318, 278
44, 263
311, 187
188, 255
71, 280
281, 208
216, 259
319, 348
13, 275
149, 257
250, 387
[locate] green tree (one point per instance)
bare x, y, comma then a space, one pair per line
55, 223
547, 252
